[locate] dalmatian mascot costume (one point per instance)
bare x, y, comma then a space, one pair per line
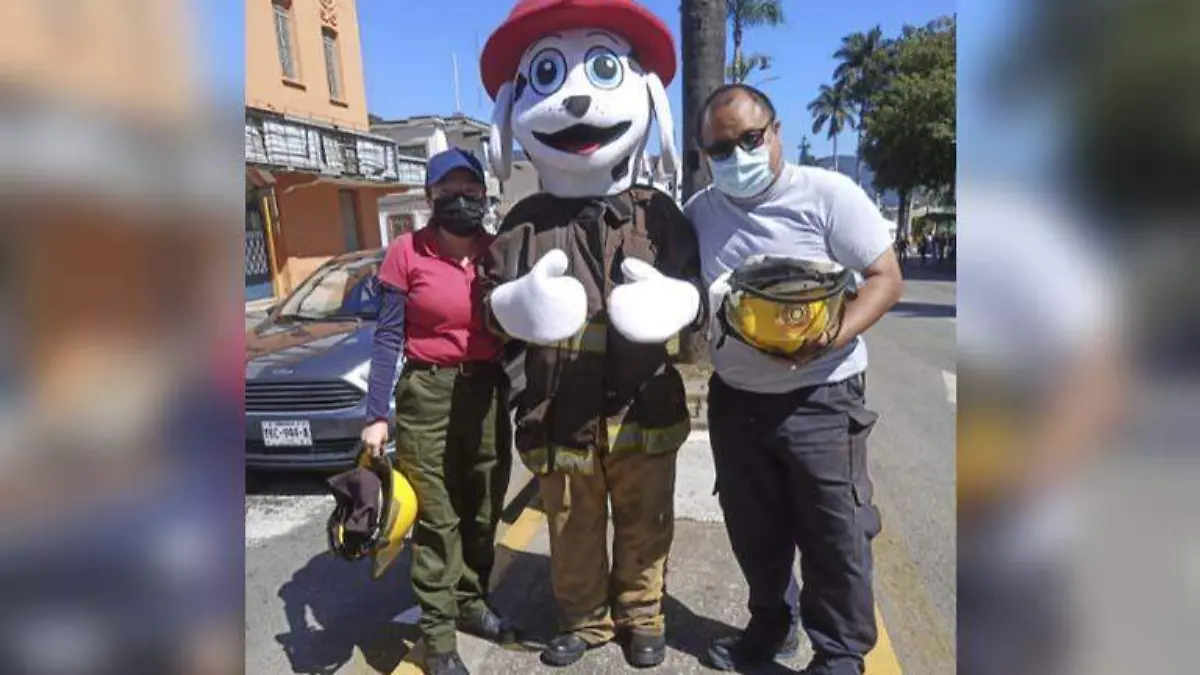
592, 277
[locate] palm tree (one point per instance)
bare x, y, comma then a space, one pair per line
832, 108
702, 33
743, 14
739, 71
702, 29
859, 72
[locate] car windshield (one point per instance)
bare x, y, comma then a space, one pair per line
337, 291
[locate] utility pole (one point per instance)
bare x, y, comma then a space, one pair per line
702, 27
457, 100
478, 81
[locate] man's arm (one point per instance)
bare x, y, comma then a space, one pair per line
858, 238
881, 290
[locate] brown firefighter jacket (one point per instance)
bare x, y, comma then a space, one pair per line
596, 388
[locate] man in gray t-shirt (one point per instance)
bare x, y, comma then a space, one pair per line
789, 435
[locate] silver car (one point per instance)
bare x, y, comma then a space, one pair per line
307, 364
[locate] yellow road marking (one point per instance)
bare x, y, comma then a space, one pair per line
882, 660
516, 538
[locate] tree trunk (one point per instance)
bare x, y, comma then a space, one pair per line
739, 73
902, 224
702, 28
835, 155
858, 158
703, 36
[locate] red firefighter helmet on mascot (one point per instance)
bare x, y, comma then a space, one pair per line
533, 19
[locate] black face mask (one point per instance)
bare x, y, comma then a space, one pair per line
459, 214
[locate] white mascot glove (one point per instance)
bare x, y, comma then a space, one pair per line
543, 306
651, 307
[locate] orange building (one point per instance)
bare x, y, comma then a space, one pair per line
314, 172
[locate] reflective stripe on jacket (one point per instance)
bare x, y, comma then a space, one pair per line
596, 387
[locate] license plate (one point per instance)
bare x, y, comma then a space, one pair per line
287, 434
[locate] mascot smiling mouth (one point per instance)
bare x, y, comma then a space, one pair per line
582, 139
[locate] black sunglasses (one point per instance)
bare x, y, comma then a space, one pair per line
748, 141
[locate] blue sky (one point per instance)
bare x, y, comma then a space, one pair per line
408, 47
221, 52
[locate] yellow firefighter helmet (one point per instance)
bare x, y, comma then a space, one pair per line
776, 305
397, 513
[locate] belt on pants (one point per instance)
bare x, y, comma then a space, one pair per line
464, 368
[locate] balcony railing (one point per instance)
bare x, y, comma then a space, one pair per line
287, 143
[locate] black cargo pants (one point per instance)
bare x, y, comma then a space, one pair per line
792, 474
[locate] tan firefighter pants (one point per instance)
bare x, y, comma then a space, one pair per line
592, 600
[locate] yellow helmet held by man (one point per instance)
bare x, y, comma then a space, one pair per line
376, 509
777, 305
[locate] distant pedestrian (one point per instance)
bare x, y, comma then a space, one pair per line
789, 434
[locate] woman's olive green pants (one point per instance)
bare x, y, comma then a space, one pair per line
453, 440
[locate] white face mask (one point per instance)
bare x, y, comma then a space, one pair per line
743, 174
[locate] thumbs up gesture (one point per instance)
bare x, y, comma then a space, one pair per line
650, 307
544, 306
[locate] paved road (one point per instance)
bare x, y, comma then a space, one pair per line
309, 613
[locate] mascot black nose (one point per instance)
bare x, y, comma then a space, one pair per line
577, 105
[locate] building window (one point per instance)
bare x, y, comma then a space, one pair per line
417, 151
398, 224
333, 67
283, 39
349, 209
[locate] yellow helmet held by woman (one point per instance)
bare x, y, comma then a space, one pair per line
776, 305
376, 508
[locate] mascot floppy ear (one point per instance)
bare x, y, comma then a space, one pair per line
500, 145
666, 124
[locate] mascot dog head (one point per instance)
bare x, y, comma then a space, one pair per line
577, 83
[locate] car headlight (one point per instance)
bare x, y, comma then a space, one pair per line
361, 375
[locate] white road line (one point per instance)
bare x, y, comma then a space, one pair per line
271, 516
951, 381
694, 480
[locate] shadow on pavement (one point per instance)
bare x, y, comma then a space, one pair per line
924, 309
526, 598
348, 610
690, 634
915, 270
287, 483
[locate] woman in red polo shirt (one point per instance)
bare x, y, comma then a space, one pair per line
453, 432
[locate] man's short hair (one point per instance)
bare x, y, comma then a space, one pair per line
724, 93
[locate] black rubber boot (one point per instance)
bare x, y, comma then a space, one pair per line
645, 650
485, 623
564, 650
750, 649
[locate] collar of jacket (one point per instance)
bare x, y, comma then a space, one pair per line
618, 208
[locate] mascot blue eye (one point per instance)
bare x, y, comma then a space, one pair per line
547, 71
604, 68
